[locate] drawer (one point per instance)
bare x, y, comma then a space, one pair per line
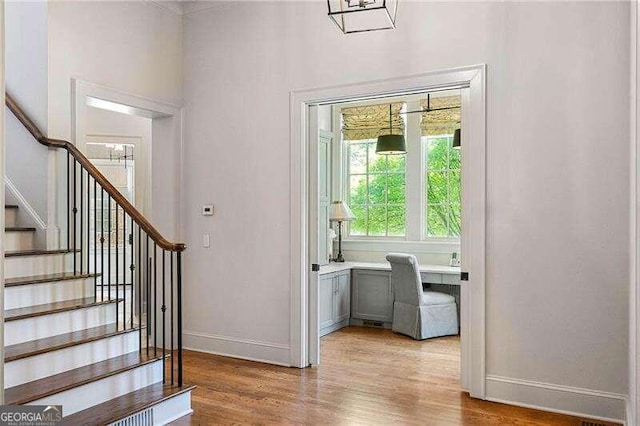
431, 277
453, 279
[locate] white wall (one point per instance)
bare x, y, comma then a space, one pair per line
26, 80
130, 46
558, 172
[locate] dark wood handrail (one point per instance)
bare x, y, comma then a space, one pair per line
95, 173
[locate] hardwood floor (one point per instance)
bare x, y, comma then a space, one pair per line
367, 376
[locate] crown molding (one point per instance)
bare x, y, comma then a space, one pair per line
173, 6
193, 7
188, 8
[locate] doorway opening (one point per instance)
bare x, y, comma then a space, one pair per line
127, 137
406, 200
305, 307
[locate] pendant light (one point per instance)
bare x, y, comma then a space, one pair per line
456, 139
391, 144
357, 16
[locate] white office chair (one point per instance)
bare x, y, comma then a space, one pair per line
417, 313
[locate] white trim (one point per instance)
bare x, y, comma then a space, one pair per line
569, 400
24, 204
403, 246
634, 254
475, 154
252, 350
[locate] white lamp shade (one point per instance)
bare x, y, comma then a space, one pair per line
340, 212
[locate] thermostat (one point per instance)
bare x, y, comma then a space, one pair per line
207, 210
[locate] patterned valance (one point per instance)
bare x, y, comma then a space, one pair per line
443, 122
371, 121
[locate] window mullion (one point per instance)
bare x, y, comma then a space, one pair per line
414, 175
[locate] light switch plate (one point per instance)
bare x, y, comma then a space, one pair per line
205, 241
207, 210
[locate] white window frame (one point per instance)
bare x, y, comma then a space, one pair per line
415, 238
425, 170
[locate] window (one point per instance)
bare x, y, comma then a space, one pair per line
442, 183
376, 190
412, 197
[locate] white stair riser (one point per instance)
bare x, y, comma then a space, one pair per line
39, 366
64, 322
83, 397
10, 217
50, 292
172, 409
14, 240
25, 266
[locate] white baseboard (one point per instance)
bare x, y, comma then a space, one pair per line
252, 350
573, 401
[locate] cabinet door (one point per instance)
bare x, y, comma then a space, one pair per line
342, 297
373, 295
326, 301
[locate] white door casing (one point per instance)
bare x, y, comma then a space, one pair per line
303, 303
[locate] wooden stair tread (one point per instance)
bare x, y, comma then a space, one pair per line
45, 278
126, 405
36, 252
19, 229
61, 382
10, 206
61, 341
54, 308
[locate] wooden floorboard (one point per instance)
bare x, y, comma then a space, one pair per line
55, 308
51, 385
37, 252
46, 278
367, 376
61, 341
124, 406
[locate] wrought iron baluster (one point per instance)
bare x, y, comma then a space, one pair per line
88, 221
95, 238
102, 274
148, 293
164, 311
132, 267
81, 217
155, 299
109, 248
179, 313
68, 201
172, 308
117, 271
140, 286
75, 213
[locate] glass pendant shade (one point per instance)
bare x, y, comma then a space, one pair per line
356, 16
391, 145
456, 139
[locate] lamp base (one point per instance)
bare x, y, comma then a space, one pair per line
338, 258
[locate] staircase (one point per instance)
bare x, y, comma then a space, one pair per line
94, 326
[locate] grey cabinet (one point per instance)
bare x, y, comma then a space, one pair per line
372, 295
335, 301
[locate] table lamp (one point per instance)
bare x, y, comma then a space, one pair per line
340, 212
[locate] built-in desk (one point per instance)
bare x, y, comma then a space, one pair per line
370, 292
431, 274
